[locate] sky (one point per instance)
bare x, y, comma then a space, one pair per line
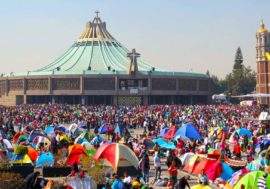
177, 35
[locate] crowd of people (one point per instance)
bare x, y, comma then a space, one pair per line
217, 124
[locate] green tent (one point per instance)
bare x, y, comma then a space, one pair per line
250, 180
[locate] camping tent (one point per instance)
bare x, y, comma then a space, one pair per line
204, 164
170, 134
103, 129
45, 160
119, 129
120, 157
164, 131
188, 131
250, 180
227, 171
243, 131
75, 153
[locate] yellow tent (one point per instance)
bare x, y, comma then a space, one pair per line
25, 159
200, 186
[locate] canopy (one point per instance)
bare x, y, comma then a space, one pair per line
188, 131
45, 160
170, 134
250, 180
118, 155
164, 144
243, 131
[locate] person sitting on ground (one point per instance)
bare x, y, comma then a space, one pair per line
127, 180
203, 178
117, 184
183, 182
261, 184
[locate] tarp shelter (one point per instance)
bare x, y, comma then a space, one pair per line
164, 144
120, 157
45, 160
188, 131
75, 153
250, 180
164, 131
170, 134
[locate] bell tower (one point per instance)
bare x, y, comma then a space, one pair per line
263, 62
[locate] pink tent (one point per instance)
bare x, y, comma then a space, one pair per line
214, 170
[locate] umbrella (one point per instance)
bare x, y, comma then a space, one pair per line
243, 131
164, 144
188, 131
45, 160
250, 180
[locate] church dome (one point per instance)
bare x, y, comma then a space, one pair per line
262, 28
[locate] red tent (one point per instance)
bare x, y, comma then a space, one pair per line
192, 163
214, 170
170, 134
75, 154
204, 164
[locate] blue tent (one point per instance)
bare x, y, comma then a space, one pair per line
119, 129
45, 160
164, 144
227, 172
49, 130
188, 131
103, 129
243, 131
266, 144
164, 131
34, 134
60, 128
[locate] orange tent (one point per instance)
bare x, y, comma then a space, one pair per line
192, 163
75, 153
32, 153
204, 164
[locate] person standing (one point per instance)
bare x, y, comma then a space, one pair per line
157, 164
145, 166
173, 173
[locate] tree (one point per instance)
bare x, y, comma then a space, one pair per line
238, 59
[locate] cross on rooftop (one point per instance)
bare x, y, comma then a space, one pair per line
97, 12
133, 56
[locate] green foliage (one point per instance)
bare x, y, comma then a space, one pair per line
94, 168
11, 181
238, 59
20, 150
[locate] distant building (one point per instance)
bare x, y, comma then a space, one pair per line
263, 63
97, 69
